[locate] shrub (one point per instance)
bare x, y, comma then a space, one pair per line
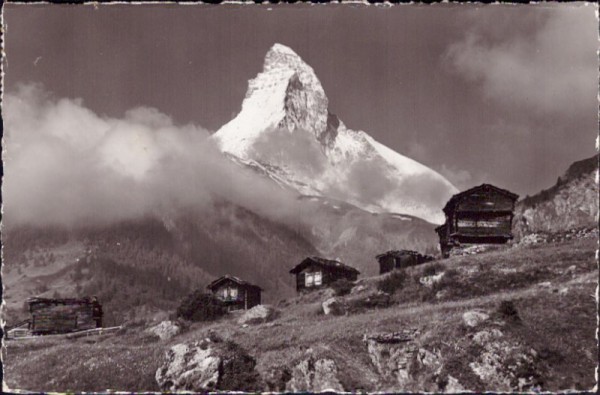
342, 287
237, 370
393, 282
433, 269
508, 311
200, 306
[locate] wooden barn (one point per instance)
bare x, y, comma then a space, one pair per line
480, 215
398, 259
315, 272
237, 294
64, 315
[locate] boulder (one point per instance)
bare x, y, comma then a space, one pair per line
314, 375
207, 366
474, 318
165, 330
333, 306
189, 367
257, 315
429, 281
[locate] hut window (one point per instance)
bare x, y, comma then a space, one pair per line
318, 278
313, 279
309, 279
229, 293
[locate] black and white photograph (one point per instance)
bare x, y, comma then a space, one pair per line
300, 198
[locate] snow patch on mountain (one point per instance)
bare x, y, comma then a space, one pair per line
286, 131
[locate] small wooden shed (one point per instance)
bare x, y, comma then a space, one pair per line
236, 293
314, 272
398, 259
480, 215
64, 315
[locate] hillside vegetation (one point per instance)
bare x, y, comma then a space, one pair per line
519, 318
144, 267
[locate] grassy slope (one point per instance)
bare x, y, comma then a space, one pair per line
559, 325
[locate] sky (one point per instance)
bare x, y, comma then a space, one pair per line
501, 94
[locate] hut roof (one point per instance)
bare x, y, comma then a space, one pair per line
235, 279
455, 198
326, 263
86, 300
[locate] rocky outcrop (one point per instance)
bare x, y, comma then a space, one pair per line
165, 330
391, 354
315, 375
474, 318
404, 365
207, 366
189, 367
558, 237
571, 203
257, 315
503, 365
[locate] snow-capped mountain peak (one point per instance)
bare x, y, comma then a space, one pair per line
286, 94
286, 129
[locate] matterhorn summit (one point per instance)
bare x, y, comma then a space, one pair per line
286, 130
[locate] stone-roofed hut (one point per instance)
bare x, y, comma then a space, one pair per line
398, 259
236, 293
480, 215
314, 272
63, 315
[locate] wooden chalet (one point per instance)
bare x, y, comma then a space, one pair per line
235, 293
64, 315
398, 259
480, 215
315, 272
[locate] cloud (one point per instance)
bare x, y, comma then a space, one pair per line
553, 69
297, 149
369, 180
462, 179
66, 165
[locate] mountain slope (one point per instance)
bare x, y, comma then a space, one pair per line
546, 341
286, 128
571, 203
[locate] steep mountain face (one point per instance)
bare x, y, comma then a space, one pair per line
571, 203
286, 129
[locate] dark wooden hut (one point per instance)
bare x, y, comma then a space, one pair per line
235, 293
315, 272
398, 259
480, 215
64, 315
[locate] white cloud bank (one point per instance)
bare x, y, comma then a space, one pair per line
64, 164
552, 70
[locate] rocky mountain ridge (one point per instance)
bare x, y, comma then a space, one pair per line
571, 203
